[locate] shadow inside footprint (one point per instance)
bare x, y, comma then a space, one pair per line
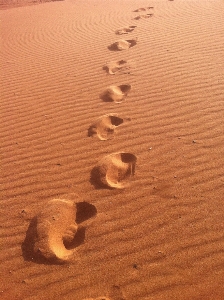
122, 45
114, 171
85, 211
78, 239
96, 181
105, 126
53, 239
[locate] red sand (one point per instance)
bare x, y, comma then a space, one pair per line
160, 238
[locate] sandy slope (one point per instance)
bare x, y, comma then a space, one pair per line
160, 238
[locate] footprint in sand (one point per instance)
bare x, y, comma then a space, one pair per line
125, 30
116, 93
143, 9
143, 17
114, 170
122, 45
105, 126
57, 230
117, 66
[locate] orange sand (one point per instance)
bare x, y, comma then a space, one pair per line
161, 237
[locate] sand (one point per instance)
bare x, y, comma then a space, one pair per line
161, 236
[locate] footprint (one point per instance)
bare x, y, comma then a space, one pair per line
115, 66
143, 17
57, 230
143, 9
125, 30
105, 126
122, 45
116, 93
114, 170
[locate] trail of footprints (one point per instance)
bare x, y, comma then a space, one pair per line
55, 233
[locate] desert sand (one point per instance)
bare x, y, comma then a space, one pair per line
128, 93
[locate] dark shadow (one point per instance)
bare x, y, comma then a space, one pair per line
125, 88
132, 42
113, 47
78, 240
85, 211
91, 131
95, 180
28, 246
129, 159
106, 69
116, 121
106, 97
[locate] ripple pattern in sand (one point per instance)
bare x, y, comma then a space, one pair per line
169, 241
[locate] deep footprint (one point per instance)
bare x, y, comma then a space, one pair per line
116, 93
125, 30
58, 231
122, 45
105, 126
114, 170
143, 17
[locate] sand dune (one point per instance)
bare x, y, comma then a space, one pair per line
161, 237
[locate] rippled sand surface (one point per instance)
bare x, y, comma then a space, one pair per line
160, 237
